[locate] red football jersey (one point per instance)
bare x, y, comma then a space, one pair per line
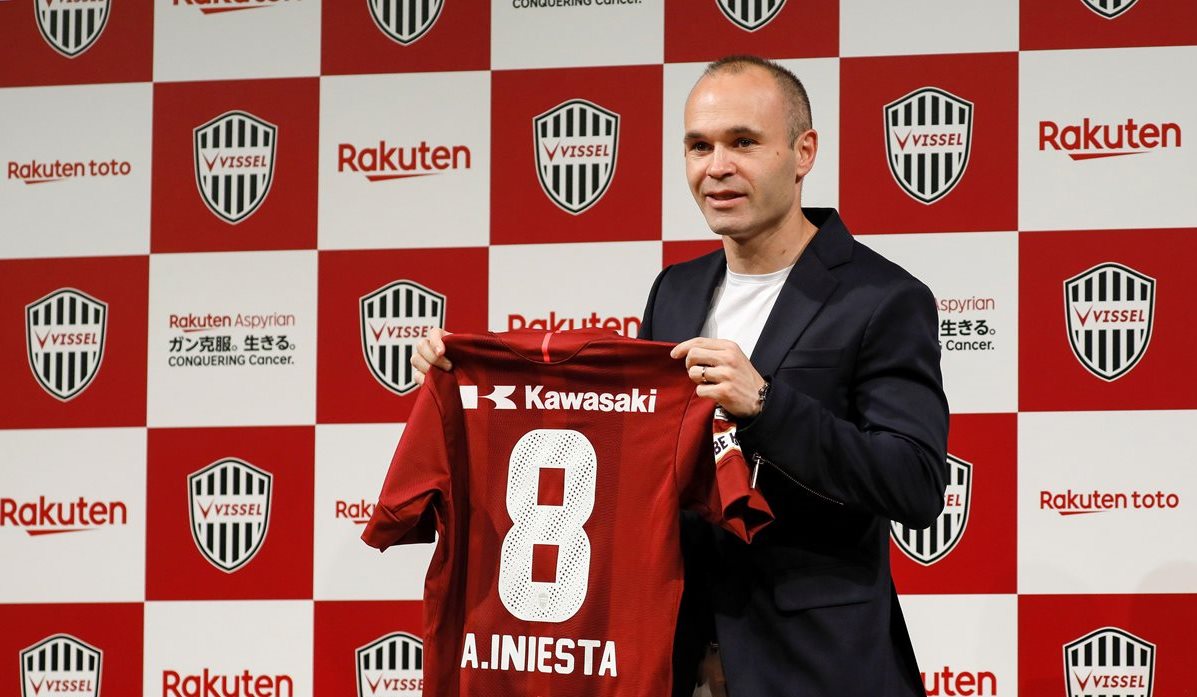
553, 467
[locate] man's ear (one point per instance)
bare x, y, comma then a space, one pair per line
806, 148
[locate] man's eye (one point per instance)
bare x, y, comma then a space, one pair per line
700, 146
744, 142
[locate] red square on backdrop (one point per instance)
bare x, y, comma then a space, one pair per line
354, 642
618, 195
271, 148
874, 196
1049, 623
983, 556
108, 393
1048, 24
363, 345
1052, 376
802, 29
355, 40
119, 48
112, 630
270, 562
677, 251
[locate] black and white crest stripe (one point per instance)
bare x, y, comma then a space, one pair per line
750, 15
405, 21
927, 176
233, 196
65, 370
71, 29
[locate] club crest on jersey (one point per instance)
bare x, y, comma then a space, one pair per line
576, 145
394, 318
930, 544
61, 665
1110, 309
1109, 8
405, 21
72, 27
64, 333
229, 510
1109, 661
750, 15
391, 666
928, 134
234, 163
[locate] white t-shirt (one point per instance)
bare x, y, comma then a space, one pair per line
741, 304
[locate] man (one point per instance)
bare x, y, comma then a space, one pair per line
841, 406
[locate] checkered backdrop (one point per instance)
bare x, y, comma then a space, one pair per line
225, 222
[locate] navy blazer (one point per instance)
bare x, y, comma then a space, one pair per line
853, 435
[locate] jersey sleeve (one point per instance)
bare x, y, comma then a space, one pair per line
412, 504
713, 476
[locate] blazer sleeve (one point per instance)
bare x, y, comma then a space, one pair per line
889, 459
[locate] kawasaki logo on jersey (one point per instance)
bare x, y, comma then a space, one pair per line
537, 397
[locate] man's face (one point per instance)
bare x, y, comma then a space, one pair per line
743, 171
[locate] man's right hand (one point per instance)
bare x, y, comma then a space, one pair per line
430, 352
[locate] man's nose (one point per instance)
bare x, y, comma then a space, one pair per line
721, 163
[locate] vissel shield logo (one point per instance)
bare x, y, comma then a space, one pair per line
1110, 309
229, 510
405, 21
234, 163
933, 543
1109, 8
65, 333
576, 145
928, 135
750, 15
1109, 661
391, 666
61, 665
394, 319
71, 27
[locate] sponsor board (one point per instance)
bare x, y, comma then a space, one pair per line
570, 33
750, 16
351, 460
394, 318
879, 29
1076, 495
765, 28
405, 21
390, 173
65, 333
61, 665
73, 27
270, 654
916, 171
1109, 9
1064, 24
215, 494
965, 645
577, 145
928, 136
234, 163
391, 666
229, 511
1110, 310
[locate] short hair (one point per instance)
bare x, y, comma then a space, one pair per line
797, 102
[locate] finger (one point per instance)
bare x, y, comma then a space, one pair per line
432, 351
695, 373
701, 356
683, 348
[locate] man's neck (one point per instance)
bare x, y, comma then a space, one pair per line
771, 250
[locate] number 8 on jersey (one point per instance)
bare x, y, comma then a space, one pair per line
533, 460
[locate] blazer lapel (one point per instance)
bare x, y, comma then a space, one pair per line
806, 290
684, 318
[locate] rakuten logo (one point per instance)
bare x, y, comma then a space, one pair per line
358, 512
209, 7
964, 683
387, 162
1071, 502
208, 684
628, 326
35, 172
47, 517
1088, 140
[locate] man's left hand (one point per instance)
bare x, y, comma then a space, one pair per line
723, 373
